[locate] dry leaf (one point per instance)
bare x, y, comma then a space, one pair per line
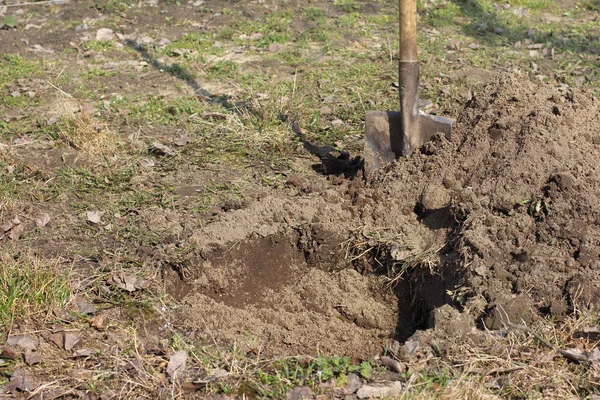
147, 163
8, 354
71, 339
574, 355
182, 141
56, 339
15, 232
20, 382
594, 355
393, 365
7, 226
93, 216
176, 364
43, 220
84, 307
218, 373
354, 383
129, 282
161, 149
98, 321
190, 387
24, 342
32, 357
83, 353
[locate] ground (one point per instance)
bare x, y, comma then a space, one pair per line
184, 211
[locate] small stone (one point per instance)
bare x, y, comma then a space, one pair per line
326, 110
336, 123
105, 34
276, 47
299, 393
391, 390
163, 42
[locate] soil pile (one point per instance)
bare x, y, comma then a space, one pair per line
501, 223
519, 188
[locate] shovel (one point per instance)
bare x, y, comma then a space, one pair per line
391, 134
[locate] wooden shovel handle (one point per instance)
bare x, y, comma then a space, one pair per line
408, 31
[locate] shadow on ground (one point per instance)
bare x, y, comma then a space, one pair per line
330, 164
486, 25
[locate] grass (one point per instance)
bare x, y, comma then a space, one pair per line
14, 67
31, 288
88, 135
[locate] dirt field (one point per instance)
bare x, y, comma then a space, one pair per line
184, 211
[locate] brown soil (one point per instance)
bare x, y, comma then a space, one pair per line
501, 223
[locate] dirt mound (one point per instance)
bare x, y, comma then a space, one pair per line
501, 223
516, 196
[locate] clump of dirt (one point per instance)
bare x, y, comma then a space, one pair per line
500, 225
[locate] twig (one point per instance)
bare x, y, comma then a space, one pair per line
494, 371
35, 3
580, 358
60, 90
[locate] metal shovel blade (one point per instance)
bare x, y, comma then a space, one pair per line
385, 140
388, 134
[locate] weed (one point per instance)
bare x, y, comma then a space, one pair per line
276, 380
537, 208
98, 45
95, 72
9, 22
224, 69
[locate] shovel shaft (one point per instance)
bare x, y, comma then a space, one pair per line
408, 31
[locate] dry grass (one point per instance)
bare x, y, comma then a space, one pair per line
526, 362
88, 135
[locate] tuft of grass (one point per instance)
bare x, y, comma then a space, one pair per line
88, 135
224, 69
98, 45
31, 287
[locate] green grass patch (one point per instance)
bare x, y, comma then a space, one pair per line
83, 180
30, 288
224, 69
276, 380
98, 45
95, 72
13, 67
214, 194
347, 5
161, 110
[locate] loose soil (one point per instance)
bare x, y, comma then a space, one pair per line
501, 223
